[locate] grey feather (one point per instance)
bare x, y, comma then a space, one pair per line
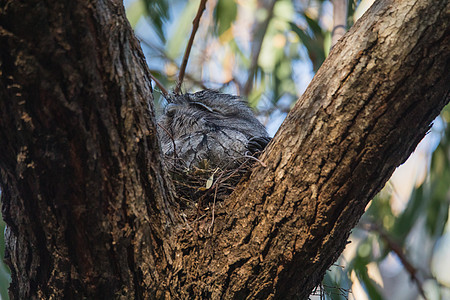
211, 126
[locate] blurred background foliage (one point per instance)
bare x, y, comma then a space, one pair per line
268, 51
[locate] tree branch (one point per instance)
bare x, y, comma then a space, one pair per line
397, 249
187, 52
87, 204
159, 85
280, 231
90, 210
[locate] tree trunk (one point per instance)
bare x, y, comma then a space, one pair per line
90, 211
84, 197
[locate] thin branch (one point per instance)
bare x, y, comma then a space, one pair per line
394, 246
187, 52
252, 157
160, 85
213, 210
256, 49
339, 20
202, 84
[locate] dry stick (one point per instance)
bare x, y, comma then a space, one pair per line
219, 180
160, 85
157, 82
256, 50
339, 291
339, 20
230, 175
255, 158
187, 52
399, 251
198, 82
213, 210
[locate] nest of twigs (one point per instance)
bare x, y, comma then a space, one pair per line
203, 188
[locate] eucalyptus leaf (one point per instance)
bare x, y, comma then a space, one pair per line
135, 11
210, 181
224, 14
158, 14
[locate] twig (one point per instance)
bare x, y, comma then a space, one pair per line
335, 290
394, 246
254, 158
219, 180
339, 20
183, 215
241, 166
213, 210
200, 83
256, 50
160, 85
187, 52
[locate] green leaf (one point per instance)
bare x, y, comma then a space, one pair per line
183, 26
314, 46
350, 12
410, 215
158, 13
225, 14
371, 288
284, 10
439, 191
135, 11
314, 26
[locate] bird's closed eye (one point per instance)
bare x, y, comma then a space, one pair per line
202, 106
170, 109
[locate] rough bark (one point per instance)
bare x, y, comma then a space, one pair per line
365, 111
89, 210
81, 192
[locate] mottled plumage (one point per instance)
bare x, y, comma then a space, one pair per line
211, 127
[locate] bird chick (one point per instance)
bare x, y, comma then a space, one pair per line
211, 127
